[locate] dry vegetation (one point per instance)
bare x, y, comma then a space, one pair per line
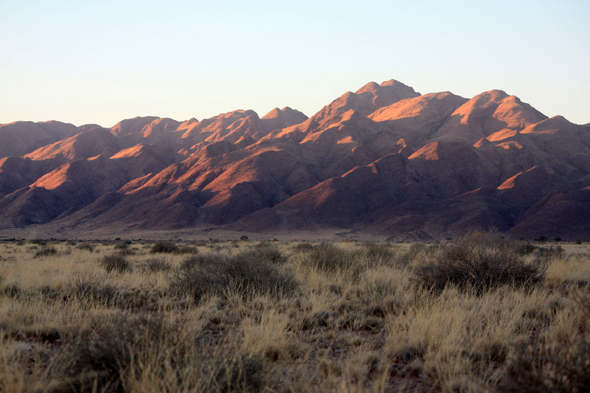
479, 314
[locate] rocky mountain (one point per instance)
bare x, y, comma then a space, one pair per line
384, 159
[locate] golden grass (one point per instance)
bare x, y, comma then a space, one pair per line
363, 325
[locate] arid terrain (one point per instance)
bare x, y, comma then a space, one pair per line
479, 314
384, 162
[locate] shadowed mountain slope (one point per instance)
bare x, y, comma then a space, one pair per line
22, 137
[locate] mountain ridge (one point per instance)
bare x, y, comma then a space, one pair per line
384, 160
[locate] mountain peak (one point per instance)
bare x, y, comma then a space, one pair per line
389, 87
130, 126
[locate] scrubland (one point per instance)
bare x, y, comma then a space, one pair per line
474, 315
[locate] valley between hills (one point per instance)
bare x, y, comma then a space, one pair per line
383, 162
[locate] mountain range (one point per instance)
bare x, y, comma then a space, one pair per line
384, 160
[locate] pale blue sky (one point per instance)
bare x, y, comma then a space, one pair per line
103, 61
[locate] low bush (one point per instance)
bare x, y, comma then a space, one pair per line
46, 252
542, 367
550, 252
187, 250
122, 246
113, 352
302, 247
202, 260
115, 262
329, 258
377, 253
155, 265
268, 252
240, 274
414, 253
240, 374
478, 265
86, 247
164, 247
92, 292
13, 291
558, 363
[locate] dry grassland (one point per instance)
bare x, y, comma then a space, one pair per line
480, 314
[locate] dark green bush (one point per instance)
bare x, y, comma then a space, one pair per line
203, 260
379, 253
46, 252
415, 251
115, 262
92, 292
240, 274
13, 291
268, 252
302, 247
164, 247
546, 368
155, 265
114, 348
122, 246
478, 265
86, 246
187, 250
329, 258
240, 374
550, 252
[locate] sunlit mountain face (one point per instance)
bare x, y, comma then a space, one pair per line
384, 159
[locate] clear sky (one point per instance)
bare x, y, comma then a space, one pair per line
104, 61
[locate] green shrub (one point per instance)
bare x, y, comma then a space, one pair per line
112, 351
187, 250
164, 247
122, 246
13, 291
240, 374
550, 252
115, 262
415, 252
203, 260
377, 253
46, 252
155, 265
302, 247
329, 258
240, 274
86, 247
542, 367
92, 292
268, 252
478, 265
